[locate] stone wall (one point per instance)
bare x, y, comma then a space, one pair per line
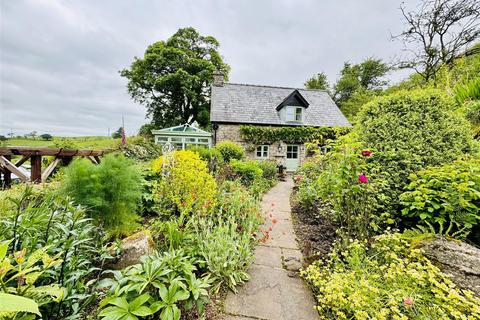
232, 132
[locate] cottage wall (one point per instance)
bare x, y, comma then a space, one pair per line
232, 132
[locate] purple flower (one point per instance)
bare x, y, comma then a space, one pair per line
362, 178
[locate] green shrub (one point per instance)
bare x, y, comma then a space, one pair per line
212, 156
227, 252
386, 279
230, 150
248, 171
446, 198
31, 266
185, 186
348, 181
163, 285
41, 219
237, 201
409, 131
141, 148
110, 191
269, 170
468, 92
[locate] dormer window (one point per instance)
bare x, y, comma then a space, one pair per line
294, 114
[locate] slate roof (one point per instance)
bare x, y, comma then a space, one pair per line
255, 104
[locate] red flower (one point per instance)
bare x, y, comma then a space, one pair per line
408, 301
362, 178
366, 153
297, 179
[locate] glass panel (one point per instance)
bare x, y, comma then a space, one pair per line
178, 146
190, 139
289, 114
204, 140
298, 114
164, 139
176, 139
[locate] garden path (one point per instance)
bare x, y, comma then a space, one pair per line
274, 292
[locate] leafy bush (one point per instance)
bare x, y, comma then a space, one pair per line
212, 156
43, 220
446, 198
110, 191
248, 171
163, 284
348, 182
468, 92
141, 148
269, 170
19, 275
227, 252
387, 279
230, 150
408, 131
237, 201
185, 186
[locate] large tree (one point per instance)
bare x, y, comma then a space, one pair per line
173, 78
437, 32
318, 81
368, 75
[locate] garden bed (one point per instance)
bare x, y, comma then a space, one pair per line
315, 232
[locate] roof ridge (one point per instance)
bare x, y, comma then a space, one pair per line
278, 87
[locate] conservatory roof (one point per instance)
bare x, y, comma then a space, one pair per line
182, 130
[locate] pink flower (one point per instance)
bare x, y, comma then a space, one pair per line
362, 178
297, 179
366, 153
408, 301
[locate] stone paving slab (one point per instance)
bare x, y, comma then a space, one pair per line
272, 293
270, 257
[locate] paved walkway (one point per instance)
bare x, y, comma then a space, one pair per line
274, 292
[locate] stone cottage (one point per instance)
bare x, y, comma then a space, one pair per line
234, 105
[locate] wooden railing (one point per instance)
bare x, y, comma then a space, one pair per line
35, 156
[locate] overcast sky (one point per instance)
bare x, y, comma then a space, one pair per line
59, 60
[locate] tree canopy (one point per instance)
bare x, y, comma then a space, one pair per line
173, 78
356, 82
318, 81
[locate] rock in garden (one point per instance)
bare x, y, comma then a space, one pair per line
133, 247
459, 260
292, 264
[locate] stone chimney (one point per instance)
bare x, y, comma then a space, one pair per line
218, 79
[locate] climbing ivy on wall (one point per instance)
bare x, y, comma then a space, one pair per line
261, 135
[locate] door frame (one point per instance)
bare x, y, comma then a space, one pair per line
289, 168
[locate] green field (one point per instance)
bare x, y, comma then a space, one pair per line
91, 142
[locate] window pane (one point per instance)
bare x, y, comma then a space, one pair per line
298, 114
204, 140
163, 139
290, 116
190, 139
175, 139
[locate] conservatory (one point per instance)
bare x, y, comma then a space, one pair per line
183, 136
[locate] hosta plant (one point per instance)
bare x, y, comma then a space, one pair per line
168, 279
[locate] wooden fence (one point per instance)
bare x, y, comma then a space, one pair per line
60, 155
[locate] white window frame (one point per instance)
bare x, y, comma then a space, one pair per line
291, 114
264, 150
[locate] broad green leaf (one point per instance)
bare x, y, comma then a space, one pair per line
3, 248
139, 301
13, 303
120, 302
142, 311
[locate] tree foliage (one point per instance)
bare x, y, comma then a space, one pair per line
319, 82
357, 79
437, 33
172, 79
